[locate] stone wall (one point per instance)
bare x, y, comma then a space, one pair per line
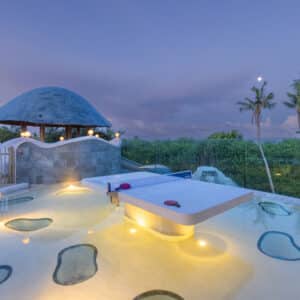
67, 161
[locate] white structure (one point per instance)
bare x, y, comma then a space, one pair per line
145, 200
212, 174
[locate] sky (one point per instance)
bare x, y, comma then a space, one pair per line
156, 68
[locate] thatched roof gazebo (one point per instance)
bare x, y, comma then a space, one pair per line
51, 107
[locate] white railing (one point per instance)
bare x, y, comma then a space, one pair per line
7, 165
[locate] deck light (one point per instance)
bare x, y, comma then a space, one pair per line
90, 132
26, 241
26, 134
61, 138
141, 222
97, 135
71, 187
132, 230
201, 243
117, 135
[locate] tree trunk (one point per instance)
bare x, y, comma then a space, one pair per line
263, 155
267, 167
258, 131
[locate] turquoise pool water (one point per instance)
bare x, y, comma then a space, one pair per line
77, 246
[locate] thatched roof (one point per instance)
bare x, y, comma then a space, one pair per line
51, 106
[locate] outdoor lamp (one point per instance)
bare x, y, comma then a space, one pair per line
26, 134
90, 132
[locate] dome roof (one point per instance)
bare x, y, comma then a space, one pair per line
52, 106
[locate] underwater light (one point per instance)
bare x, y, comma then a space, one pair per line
26, 241
132, 230
201, 243
141, 222
71, 187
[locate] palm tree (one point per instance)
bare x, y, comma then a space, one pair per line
294, 99
260, 102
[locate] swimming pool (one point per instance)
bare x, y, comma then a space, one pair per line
77, 246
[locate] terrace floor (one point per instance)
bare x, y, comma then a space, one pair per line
222, 261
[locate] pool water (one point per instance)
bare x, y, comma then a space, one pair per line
90, 251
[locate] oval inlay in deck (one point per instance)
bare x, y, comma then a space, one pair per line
273, 208
76, 264
279, 245
19, 200
158, 295
5, 273
28, 224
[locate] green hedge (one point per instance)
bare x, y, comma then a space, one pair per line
238, 159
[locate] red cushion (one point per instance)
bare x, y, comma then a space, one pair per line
124, 186
171, 203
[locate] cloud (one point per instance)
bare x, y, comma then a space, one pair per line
291, 122
157, 109
267, 123
153, 108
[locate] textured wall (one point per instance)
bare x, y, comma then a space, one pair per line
75, 161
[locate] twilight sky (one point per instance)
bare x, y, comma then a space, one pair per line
156, 68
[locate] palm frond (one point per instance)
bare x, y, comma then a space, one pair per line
293, 97
258, 103
289, 104
270, 105
256, 91
296, 84
246, 105
270, 96
250, 101
262, 89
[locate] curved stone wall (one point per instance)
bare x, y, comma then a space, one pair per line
70, 160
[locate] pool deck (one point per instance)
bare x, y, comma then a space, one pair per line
220, 262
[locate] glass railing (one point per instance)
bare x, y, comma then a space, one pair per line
223, 161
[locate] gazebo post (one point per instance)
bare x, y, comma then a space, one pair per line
68, 132
78, 131
23, 128
42, 133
